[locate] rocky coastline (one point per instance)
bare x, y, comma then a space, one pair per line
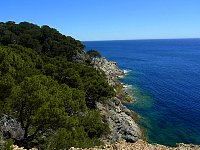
140, 145
119, 118
125, 133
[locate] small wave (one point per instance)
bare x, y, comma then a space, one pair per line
126, 71
129, 90
127, 86
120, 76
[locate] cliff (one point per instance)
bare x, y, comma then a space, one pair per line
119, 118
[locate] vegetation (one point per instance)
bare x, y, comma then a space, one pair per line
93, 53
52, 98
42, 39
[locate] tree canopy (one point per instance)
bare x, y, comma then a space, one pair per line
93, 53
52, 98
42, 39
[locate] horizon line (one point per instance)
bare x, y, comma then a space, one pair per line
139, 39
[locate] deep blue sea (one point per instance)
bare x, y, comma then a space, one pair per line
163, 76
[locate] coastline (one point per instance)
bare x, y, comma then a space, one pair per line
125, 132
124, 142
121, 120
140, 145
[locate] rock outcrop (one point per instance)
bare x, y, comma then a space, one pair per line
10, 128
110, 69
121, 124
118, 117
141, 145
15, 147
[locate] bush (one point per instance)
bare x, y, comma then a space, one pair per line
93, 53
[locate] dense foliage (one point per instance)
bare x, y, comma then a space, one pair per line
52, 98
42, 39
93, 53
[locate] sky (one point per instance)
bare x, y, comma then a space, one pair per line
90, 20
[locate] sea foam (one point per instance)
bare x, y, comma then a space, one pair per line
126, 71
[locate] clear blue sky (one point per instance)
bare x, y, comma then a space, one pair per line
109, 19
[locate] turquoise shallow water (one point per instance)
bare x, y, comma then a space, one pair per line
164, 79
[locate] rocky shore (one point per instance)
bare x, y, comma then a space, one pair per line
141, 145
112, 72
110, 69
119, 118
121, 124
125, 133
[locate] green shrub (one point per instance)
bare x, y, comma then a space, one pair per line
93, 53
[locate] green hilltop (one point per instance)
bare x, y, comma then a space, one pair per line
47, 91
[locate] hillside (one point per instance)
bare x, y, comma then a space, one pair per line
42, 39
47, 95
54, 95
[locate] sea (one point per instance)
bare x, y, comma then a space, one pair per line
163, 77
